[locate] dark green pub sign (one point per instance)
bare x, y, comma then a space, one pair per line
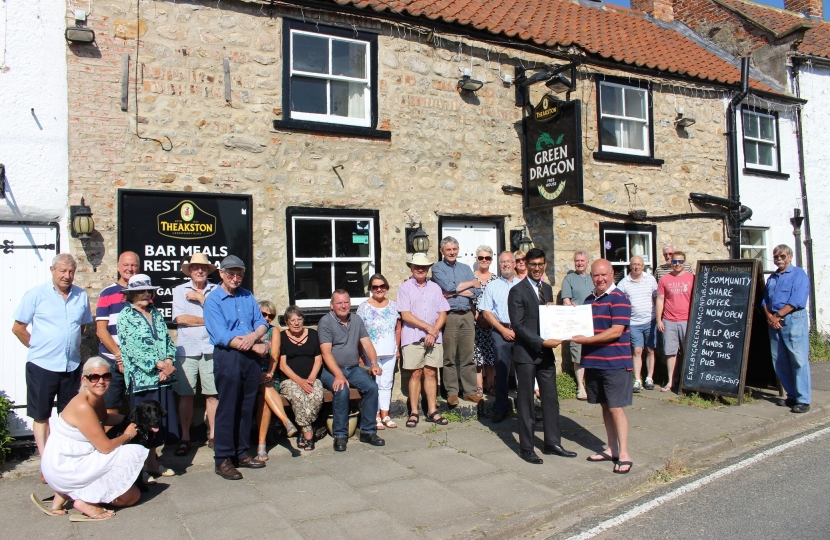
552, 171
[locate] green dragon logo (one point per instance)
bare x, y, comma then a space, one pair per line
545, 140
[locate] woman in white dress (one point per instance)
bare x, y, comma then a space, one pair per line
80, 463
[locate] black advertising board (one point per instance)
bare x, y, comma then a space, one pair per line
725, 303
166, 227
552, 164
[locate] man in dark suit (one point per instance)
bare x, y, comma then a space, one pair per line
533, 358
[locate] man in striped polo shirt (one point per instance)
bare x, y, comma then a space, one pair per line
606, 357
641, 288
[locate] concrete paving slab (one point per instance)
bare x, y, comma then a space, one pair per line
419, 502
213, 492
504, 493
250, 521
444, 464
312, 497
478, 439
355, 526
357, 469
130, 525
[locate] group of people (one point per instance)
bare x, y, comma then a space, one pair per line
473, 325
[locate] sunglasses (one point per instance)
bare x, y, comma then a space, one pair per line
520, 261
779, 256
95, 377
267, 315
378, 287
485, 258
678, 261
234, 275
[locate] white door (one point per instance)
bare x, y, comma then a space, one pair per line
25, 268
470, 235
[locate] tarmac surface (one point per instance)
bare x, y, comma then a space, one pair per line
464, 480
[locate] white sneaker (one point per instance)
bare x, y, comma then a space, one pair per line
638, 387
649, 384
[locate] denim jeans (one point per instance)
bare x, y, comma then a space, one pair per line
368, 388
791, 355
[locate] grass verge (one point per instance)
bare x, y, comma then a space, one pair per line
674, 470
708, 401
819, 348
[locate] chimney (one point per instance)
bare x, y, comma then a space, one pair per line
811, 8
662, 10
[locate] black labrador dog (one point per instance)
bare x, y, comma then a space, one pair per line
147, 417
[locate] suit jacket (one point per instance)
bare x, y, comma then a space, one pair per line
523, 308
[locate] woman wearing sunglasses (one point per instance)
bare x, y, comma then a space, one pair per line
80, 463
269, 397
383, 322
147, 351
521, 264
483, 350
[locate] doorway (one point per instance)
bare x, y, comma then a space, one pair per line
472, 232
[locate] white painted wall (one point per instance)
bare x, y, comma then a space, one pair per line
815, 87
34, 147
772, 200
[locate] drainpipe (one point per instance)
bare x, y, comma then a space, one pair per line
808, 238
732, 155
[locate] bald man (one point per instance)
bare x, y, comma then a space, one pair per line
606, 357
110, 303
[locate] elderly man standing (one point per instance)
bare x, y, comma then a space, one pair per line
785, 300
423, 311
235, 325
194, 352
674, 304
110, 303
58, 312
668, 255
641, 288
341, 336
534, 360
575, 289
459, 284
493, 306
606, 357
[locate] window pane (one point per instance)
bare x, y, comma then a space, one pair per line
611, 98
633, 135
610, 132
308, 95
635, 103
310, 53
765, 155
767, 128
312, 281
353, 277
347, 99
620, 271
312, 238
751, 151
752, 237
615, 247
638, 244
751, 125
351, 239
348, 59
749, 253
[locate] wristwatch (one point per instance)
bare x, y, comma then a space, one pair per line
778, 314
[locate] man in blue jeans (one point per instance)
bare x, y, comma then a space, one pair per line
785, 300
341, 335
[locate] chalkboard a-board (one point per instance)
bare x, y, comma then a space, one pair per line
717, 337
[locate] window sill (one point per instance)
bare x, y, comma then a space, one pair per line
627, 158
338, 129
767, 174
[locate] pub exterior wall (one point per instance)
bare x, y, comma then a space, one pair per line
449, 155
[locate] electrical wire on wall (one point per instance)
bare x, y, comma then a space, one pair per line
135, 83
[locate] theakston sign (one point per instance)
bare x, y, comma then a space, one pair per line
552, 172
165, 228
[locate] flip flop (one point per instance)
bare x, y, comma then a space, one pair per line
604, 457
621, 464
183, 449
51, 512
96, 517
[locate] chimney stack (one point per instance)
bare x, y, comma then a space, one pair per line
811, 8
662, 10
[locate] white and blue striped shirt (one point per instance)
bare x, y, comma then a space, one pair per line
641, 294
494, 298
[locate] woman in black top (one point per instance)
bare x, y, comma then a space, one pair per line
300, 363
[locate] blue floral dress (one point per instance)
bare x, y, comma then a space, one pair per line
483, 351
380, 324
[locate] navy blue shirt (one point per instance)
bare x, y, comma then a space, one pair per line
227, 317
790, 287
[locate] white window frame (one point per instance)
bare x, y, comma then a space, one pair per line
324, 302
329, 118
648, 264
646, 151
759, 141
766, 260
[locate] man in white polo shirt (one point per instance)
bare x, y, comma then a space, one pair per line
641, 288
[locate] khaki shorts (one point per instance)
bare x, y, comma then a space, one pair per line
189, 370
418, 355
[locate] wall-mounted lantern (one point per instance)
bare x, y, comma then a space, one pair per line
82, 223
417, 241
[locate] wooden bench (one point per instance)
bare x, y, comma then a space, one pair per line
327, 397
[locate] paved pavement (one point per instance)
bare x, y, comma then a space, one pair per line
464, 480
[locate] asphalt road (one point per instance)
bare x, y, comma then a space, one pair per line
785, 496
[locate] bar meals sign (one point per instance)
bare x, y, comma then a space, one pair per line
552, 172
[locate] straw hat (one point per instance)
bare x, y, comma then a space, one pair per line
420, 259
198, 258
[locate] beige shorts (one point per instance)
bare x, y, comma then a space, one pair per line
418, 355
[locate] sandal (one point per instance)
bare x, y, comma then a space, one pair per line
619, 464
388, 422
602, 457
412, 421
290, 429
302, 441
309, 445
440, 420
183, 449
51, 512
480, 391
101, 516
261, 453
379, 423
